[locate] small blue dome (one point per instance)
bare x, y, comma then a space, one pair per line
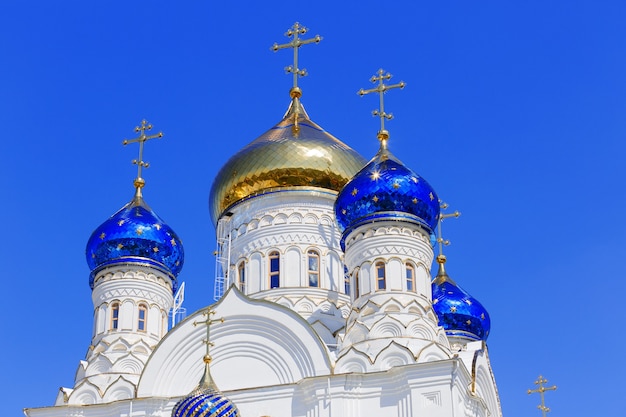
386, 189
205, 402
135, 234
460, 314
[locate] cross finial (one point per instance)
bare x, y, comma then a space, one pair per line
145, 126
295, 32
207, 380
381, 88
541, 390
442, 216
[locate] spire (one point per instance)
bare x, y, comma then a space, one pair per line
441, 258
207, 379
381, 88
145, 126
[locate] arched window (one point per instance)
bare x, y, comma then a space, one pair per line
314, 268
274, 269
346, 280
381, 281
115, 315
142, 317
242, 276
357, 287
410, 278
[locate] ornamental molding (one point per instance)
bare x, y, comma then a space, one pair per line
134, 293
113, 274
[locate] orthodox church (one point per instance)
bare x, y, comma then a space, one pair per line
325, 300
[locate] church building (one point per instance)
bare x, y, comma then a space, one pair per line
327, 303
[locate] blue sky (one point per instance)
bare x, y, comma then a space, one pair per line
515, 112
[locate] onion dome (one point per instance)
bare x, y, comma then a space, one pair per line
135, 234
205, 402
386, 189
296, 152
460, 314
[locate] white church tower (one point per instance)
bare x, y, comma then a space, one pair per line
134, 259
272, 204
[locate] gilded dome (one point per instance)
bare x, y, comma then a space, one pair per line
294, 153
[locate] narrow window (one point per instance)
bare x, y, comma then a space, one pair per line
410, 278
346, 280
115, 315
274, 270
357, 288
380, 275
314, 268
242, 277
141, 318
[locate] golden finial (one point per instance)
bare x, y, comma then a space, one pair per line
381, 88
139, 181
440, 240
295, 31
540, 381
207, 380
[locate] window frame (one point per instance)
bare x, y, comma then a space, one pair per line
114, 321
410, 281
274, 275
381, 279
241, 276
310, 255
142, 322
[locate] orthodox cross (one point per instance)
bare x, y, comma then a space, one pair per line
381, 88
295, 31
208, 322
139, 182
440, 219
540, 381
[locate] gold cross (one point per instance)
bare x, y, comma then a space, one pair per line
295, 31
540, 381
208, 322
381, 88
440, 219
139, 182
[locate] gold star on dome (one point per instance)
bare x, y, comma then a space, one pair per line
469, 303
173, 242
177, 263
468, 322
415, 180
375, 175
375, 199
93, 256
395, 185
121, 222
343, 211
432, 197
102, 236
436, 300
453, 309
155, 249
355, 191
139, 231
158, 226
119, 246
482, 316
414, 200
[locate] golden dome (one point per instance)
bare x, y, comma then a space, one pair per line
294, 153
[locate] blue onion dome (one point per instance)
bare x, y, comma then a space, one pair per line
296, 152
206, 400
460, 314
135, 234
386, 189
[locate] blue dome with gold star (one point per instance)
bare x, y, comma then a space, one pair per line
135, 234
386, 189
460, 314
205, 402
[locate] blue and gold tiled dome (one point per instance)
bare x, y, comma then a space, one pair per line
294, 153
460, 314
386, 189
135, 234
205, 402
